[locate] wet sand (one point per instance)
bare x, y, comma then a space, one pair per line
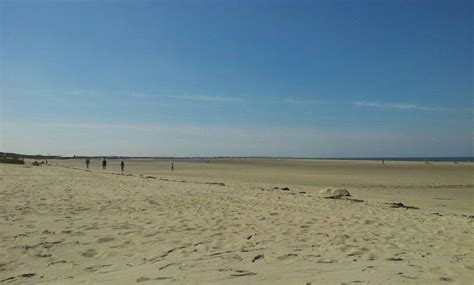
235, 222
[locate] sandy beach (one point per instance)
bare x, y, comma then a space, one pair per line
246, 142
239, 221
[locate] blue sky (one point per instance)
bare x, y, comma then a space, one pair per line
210, 78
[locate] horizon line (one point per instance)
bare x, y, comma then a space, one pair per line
230, 156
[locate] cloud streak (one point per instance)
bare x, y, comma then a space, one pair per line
299, 101
206, 98
395, 106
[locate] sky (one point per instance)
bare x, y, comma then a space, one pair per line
237, 78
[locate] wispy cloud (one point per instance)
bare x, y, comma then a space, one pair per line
206, 98
396, 106
301, 101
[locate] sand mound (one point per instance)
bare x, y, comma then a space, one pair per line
333, 193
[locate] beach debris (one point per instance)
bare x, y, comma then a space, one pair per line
240, 273
395, 259
260, 256
333, 193
282, 188
186, 181
401, 205
213, 183
42, 255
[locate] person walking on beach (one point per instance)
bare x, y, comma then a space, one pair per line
87, 163
104, 164
172, 166
122, 166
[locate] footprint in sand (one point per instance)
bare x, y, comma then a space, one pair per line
97, 267
89, 253
105, 239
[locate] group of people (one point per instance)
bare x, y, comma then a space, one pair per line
104, 164
122, 164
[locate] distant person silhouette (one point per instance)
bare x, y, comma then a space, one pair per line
104, 164
87, 163
172, 166
122, 166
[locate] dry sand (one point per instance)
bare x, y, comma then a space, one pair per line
225, 222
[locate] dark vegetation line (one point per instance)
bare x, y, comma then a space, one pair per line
11, 158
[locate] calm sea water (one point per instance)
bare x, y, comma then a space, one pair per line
434, 159
431, 159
